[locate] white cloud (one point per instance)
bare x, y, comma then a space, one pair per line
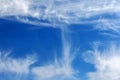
60, 69
14, 7
106, 63
53, 71
56, 13
109, 27
18, 66
49, 12
57, 10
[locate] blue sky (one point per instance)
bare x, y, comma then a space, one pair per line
59, 40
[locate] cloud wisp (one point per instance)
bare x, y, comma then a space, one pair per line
54, 11
106, 63
14, 68
59, 69
18, 66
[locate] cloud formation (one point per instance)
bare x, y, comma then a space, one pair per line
22, 69
106, 63
14, 68
52, 11
18, 66
61, 68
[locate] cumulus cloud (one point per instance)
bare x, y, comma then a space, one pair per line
106, 63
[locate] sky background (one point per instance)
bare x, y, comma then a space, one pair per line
59, 40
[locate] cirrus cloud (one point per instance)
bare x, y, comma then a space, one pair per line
106, 63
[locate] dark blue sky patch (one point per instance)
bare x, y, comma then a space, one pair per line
22, 40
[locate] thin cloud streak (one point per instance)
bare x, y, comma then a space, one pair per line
55, 11
109, 27
61, 68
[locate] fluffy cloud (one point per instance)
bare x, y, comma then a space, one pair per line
106, 62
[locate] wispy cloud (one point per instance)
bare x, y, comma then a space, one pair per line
106, 63
54, 71
21, 68
61, 68
53, 11
14, 68
109, 27
18, 66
